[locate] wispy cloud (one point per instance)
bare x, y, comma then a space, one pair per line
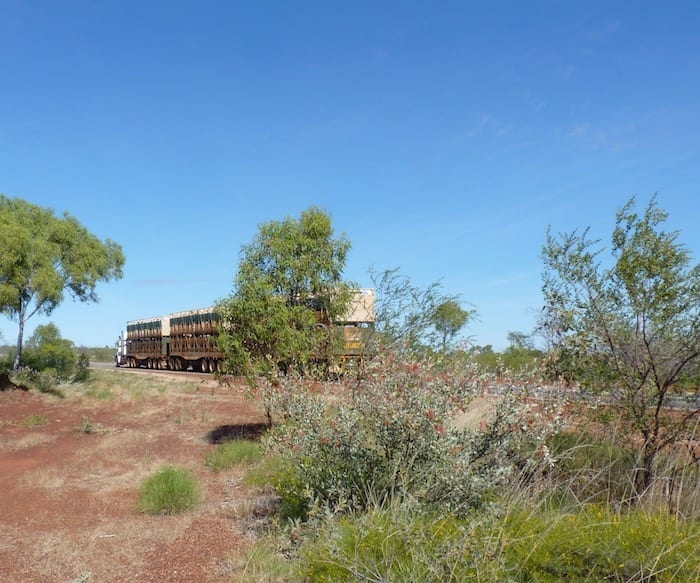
487, 124
604, 30
504, 130
535, 102
579, 130
566, 72
481, 124
600, 34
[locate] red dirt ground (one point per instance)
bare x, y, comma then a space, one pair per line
70, 472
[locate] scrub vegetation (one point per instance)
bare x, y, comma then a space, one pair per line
579, 470
572, 455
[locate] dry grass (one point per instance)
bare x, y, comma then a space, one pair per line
26, 441
72, 508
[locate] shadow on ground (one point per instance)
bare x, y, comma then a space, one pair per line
225, 433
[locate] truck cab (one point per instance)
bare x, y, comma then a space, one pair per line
120, 354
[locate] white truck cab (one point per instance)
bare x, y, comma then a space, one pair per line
120, 355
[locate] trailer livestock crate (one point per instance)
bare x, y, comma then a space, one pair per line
188, 340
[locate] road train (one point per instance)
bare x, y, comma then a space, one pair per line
188, 340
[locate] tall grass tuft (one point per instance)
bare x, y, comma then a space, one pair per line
598, 544
507, 542
170, 490
231, 453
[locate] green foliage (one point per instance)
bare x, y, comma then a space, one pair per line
170, 490
97, 354
391, 544
596, 469
82, 369
390, 437
231, 453
87, 426
412, 319
44, 381
631, 330
43, 257
47, 351
589, 469
518, 339
99, 392
531, 530
448, 319
595, 544
522, 361
400, 543
6, 359
289, 281
267, 563
515, 362
277, 471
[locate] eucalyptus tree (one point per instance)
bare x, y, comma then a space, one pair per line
415, 319
44, 257
448, 319
628, 327
287, 290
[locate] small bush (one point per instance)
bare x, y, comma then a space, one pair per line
44, 381
35, 421
231, 453
47, 351
170, 490
82, 369
87, 426
391, 436
274, 471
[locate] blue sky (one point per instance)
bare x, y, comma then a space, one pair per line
442, 137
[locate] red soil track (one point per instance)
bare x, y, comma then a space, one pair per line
70, 471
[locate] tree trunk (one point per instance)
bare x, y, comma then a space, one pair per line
644, 475
20, 340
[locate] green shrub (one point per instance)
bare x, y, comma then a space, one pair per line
44, 381
231, 453
402, 544
82, 369
392, 436
275, 471
88, 426
596, 544
170, 490
395, 544
47, 351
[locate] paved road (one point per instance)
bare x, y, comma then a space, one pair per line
102, 365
